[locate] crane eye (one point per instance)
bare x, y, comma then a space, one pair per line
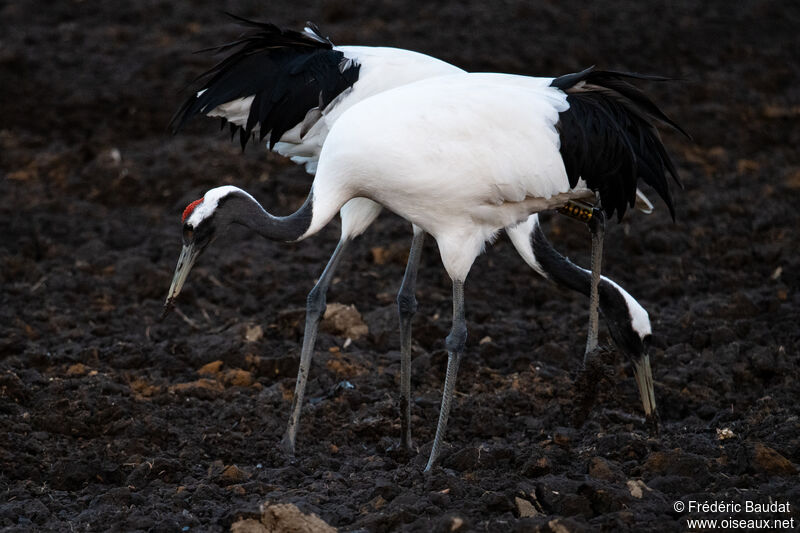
188, 233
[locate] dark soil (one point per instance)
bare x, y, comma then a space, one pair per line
111, 420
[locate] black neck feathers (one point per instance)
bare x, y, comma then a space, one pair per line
615, 310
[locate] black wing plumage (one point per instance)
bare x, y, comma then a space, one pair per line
608, 138
287, 72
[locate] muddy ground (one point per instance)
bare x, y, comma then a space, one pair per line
113, 421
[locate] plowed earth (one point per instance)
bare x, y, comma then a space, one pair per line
110, 420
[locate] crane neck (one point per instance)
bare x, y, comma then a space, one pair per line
627, 320
245, 210
557, 267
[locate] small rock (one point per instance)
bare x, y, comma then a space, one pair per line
253, 333
525, 508
115, 155
637, 488
768, 460
725, 433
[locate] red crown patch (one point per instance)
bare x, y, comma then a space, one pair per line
189, 209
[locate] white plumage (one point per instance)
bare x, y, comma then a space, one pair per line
460, 156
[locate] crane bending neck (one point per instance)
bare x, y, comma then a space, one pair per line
628, 321
557, 267
248, 212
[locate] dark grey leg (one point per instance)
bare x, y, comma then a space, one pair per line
597, 227
315, 308
455, 348
407, 307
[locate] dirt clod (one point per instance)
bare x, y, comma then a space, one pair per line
344, 320
204, 388
769, 461
233, 474
525, 509
601, 468
210, 369
287, 518
236, 377
248, 525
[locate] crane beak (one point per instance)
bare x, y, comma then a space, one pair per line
189, 255
644, 381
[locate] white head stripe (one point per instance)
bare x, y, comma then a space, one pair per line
640, 320
209, 204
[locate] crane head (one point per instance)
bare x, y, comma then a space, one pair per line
629, 325
198, 232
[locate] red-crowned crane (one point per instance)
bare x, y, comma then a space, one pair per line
290, 87
462, 157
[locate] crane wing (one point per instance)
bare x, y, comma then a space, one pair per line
272, 77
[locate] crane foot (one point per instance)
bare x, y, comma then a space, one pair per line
597, 369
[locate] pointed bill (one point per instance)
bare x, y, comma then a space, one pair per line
644, 380
185, 263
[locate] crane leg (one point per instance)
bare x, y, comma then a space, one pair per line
455, 348
315, 308
407, 307
592, 372
597, 227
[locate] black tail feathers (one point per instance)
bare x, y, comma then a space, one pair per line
609, 139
